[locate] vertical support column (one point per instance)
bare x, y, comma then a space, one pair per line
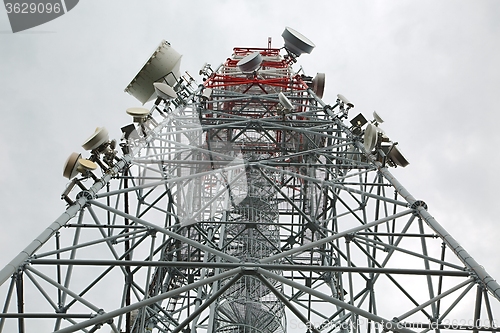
20, 299
477, 310
128, 274
7, 301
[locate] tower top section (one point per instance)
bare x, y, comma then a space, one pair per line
268, 70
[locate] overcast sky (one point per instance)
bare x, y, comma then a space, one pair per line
431, 69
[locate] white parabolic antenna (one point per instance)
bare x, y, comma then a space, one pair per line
138, 113
75, 164
370, 139
397, 157
98, 138
285, 102
87, 164
164, 91
163, 61
250, 62
377, 118
319, 84
296, 43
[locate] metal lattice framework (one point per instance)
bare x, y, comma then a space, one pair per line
227, 212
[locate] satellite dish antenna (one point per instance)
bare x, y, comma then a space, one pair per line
377, 117
164, 91
87, 164
296, 43
139, 114
207, 93
164, 62
250, 63
75, 164
97, 139
285, 102
319, 84
370, 139
397, 157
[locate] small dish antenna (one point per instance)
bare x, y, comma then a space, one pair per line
164, 91
377, 118
285, 102
207, 93
76, 164
296, 43
345, 100
139, 114
163, 63
99, 137
250, 63
397, 157
370, 139
318, 84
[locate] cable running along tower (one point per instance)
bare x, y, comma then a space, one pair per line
245, 204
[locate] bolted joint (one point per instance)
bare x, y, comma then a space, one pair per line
392, 325
85, 194
62, 309
418, 203
249, 270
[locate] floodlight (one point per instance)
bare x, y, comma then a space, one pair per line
164, 91
250, 63
139, 114
296, 43
345, 100
99, 137
318, 84
76, 164
358, 121
285, 102
370, 139
164, 63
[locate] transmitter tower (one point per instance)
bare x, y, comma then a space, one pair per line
245, 204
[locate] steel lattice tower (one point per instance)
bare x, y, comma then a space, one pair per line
244, 204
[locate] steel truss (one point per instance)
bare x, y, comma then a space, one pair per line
230, 213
